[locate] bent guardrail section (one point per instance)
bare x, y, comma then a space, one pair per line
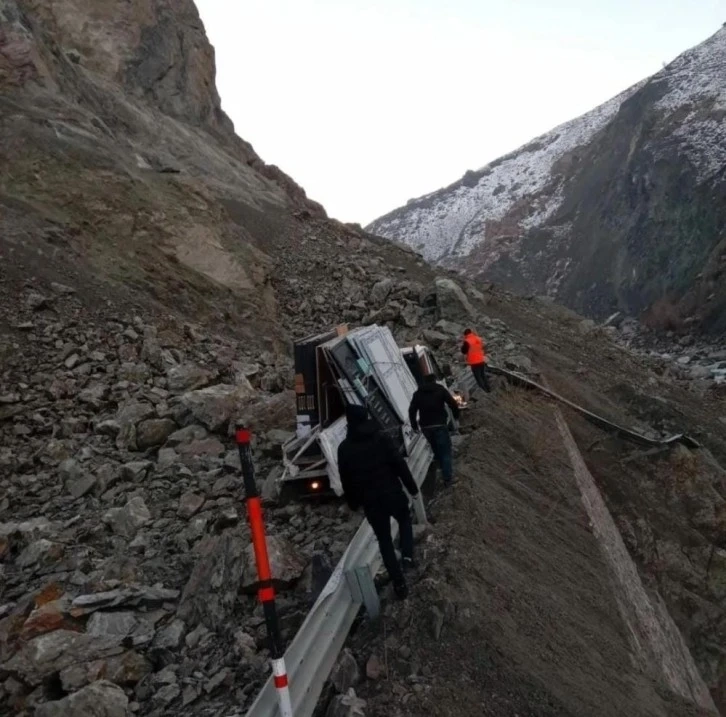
604, 423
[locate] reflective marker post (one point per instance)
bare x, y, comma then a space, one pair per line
265, 589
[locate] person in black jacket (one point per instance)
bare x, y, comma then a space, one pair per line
372, 471
428, 411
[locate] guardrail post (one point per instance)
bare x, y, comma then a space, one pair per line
265, 589
363, 590
419, 508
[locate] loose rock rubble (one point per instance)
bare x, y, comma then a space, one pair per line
124, 553
123, 540
686, 356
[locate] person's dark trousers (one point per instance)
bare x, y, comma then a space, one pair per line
379, 516
440, 442
480, 376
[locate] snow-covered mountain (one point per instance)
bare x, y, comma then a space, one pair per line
623, 208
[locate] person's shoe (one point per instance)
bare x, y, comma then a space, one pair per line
408, 564
401, 590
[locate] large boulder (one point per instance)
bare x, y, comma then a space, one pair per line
435, 339
153, 432
520, 363
125, 669
94, 395
20, 536
99, 699
211, 590
287, 564
351, 290
452, 303
213, 406
127, 520
186, 435
47, 655
381, 291
40, 552
188, 376
189, 504
117, 623
270, 412
75, 478
151, 350
410, 315
134, 372
128, 417
170, 637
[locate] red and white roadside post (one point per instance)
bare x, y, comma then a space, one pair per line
265, 589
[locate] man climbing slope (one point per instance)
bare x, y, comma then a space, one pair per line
475, 351
428, 411
371, 472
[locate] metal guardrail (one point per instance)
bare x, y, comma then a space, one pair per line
465, 381
315, 648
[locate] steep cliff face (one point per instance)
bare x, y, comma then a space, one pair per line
155, 49
113, 142
621, 209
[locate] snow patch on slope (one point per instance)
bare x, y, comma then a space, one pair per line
696, 84
697, 74
494, 206
452, 221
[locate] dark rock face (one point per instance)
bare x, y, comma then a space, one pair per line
620, 210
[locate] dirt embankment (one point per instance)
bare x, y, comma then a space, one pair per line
670, 506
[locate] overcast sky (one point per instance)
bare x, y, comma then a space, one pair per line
368, 103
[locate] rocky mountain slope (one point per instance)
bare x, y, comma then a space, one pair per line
152, 273
116, 159
621, 209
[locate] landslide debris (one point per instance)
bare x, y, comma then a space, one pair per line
153, 271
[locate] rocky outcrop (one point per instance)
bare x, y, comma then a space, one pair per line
155, 51
620, 209
146, 194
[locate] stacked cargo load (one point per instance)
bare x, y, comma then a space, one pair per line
335, 369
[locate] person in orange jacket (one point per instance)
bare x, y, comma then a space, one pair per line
475, 351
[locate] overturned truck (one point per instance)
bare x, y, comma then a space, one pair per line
363, 366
